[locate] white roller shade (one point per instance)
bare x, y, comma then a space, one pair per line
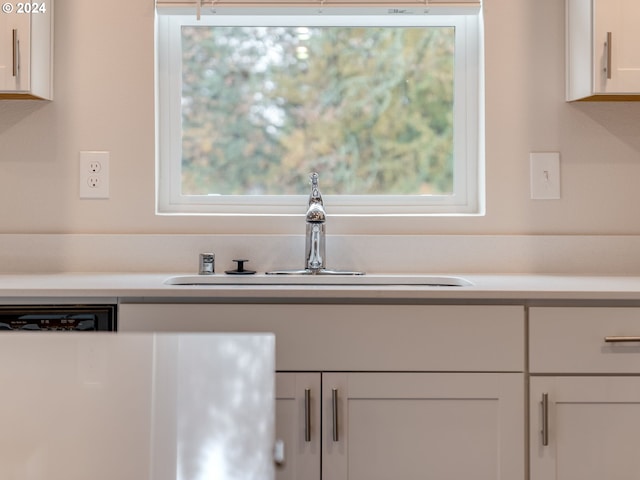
208, 3
440, 6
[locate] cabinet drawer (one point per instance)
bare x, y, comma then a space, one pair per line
358, 337
578, 340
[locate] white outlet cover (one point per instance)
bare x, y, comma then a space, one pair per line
94, 174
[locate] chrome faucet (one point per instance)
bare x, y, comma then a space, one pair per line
315, 242
316, 236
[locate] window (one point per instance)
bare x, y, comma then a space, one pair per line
384, 106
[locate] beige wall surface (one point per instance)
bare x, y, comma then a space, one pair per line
104, 100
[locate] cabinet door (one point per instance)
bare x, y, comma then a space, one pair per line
379, 426
298, 425
14, 52
592, 428
619, 20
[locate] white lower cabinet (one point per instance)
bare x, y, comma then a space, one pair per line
380, 392
298, 399
592, 426
380, 426
584, 393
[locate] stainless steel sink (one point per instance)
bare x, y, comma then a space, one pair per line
353, 280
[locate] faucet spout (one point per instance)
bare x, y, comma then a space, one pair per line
315, 247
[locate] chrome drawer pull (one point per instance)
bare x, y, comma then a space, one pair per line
545, 419
334, 401
622, 339
16, 52
609, 53
307, 415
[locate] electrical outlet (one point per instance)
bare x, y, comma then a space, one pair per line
95, 166
94, 174
94, 182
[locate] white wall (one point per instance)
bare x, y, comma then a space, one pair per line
104, 79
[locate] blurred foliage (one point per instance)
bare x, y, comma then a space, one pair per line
370, 109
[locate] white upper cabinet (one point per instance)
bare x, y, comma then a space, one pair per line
26, 50
603, 58
14, 51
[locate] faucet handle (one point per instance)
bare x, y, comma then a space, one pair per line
313, 177
315, 213
315, 196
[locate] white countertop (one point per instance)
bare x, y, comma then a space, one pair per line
152, 287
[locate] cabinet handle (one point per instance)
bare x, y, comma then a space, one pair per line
334, 402
609, 51
545, 419
622, 339
307, 415
15, 52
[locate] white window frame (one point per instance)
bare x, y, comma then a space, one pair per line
468, 195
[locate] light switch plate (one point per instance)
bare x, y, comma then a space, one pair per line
94, 174
545, 175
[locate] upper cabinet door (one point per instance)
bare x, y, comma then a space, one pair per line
603, 59
616, 43
15, 36
26, 50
